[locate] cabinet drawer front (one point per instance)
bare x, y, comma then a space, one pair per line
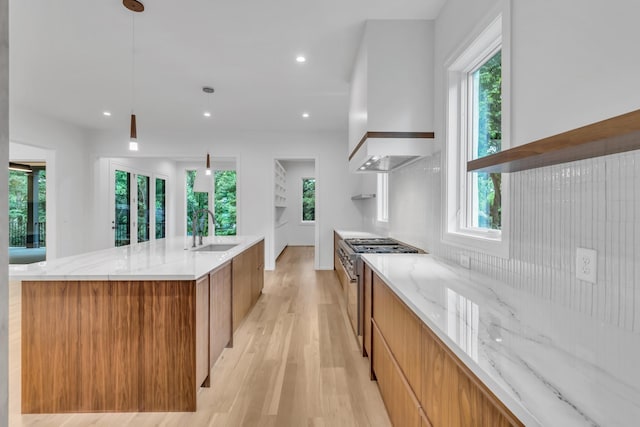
401, 403
402, 331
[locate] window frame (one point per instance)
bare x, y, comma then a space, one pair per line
382, 198
491, 36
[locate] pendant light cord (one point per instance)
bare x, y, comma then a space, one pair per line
133, 62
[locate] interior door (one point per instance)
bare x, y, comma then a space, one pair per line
122, 224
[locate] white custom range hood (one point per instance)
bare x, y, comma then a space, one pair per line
391, 99
386, 151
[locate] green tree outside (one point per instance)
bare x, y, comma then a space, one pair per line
489, 140
308, 199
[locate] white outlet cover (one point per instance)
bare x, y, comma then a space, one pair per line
586, 263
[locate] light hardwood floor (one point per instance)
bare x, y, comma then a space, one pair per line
295, 362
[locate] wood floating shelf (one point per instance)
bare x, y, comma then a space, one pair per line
611, 136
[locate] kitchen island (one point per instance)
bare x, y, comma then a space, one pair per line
135, 328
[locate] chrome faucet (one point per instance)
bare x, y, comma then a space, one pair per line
194, 225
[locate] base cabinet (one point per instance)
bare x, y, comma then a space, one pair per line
248, 281
402, 405
421, 380
220, 332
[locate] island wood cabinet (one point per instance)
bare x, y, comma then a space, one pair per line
422, 382
129, 346
248, 281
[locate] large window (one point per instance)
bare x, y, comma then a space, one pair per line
308, 199
477, 126
195, 202
224, 202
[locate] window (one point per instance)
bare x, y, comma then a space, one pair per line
225, 202
308, 199
196, 201
161, 196
477, 126
383, 197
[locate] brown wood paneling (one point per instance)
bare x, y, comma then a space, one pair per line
614, 135
257, 278
202, 330
401, 329
50, 321
220, 312
109, 348
242, 274
400, 401
168, 374
336, 260
367, 303
453, 395
368, 135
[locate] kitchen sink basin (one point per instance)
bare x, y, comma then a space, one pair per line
216, 247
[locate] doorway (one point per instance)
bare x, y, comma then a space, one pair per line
295, 205
27, 212
139, 206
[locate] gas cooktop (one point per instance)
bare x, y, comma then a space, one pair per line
380, 245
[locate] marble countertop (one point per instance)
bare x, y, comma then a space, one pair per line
347, 234
164, 259
549, 365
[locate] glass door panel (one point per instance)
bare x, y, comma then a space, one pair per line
161, 193
122, 223
143, 208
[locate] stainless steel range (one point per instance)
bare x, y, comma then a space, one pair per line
349, 252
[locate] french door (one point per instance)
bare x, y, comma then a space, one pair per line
135, 193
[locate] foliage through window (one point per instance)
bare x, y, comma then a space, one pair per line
161, 195
485, 132
308, 199
18, 189
224, 203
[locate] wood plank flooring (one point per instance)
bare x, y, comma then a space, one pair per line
295, 362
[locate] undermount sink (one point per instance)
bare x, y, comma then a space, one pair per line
216, 247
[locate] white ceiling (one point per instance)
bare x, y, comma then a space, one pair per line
71, 59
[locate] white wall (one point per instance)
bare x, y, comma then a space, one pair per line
255, 153
298, 234
568, 69
69, 177
4, 223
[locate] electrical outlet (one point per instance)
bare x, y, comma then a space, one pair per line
465, 261
586, 262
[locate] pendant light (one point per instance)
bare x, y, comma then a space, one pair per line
208, 170
134, 6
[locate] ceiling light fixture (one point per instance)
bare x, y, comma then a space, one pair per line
106, 113
208, 170
20, 167
305, 115
208, 90
134, 6
301, 59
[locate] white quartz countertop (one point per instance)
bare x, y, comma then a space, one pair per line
549, 365
164, 259
347, 234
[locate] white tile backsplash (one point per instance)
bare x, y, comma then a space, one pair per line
593, 203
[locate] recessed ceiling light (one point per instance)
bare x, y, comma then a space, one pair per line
106, 113
301, 59
206, 114
305, 115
